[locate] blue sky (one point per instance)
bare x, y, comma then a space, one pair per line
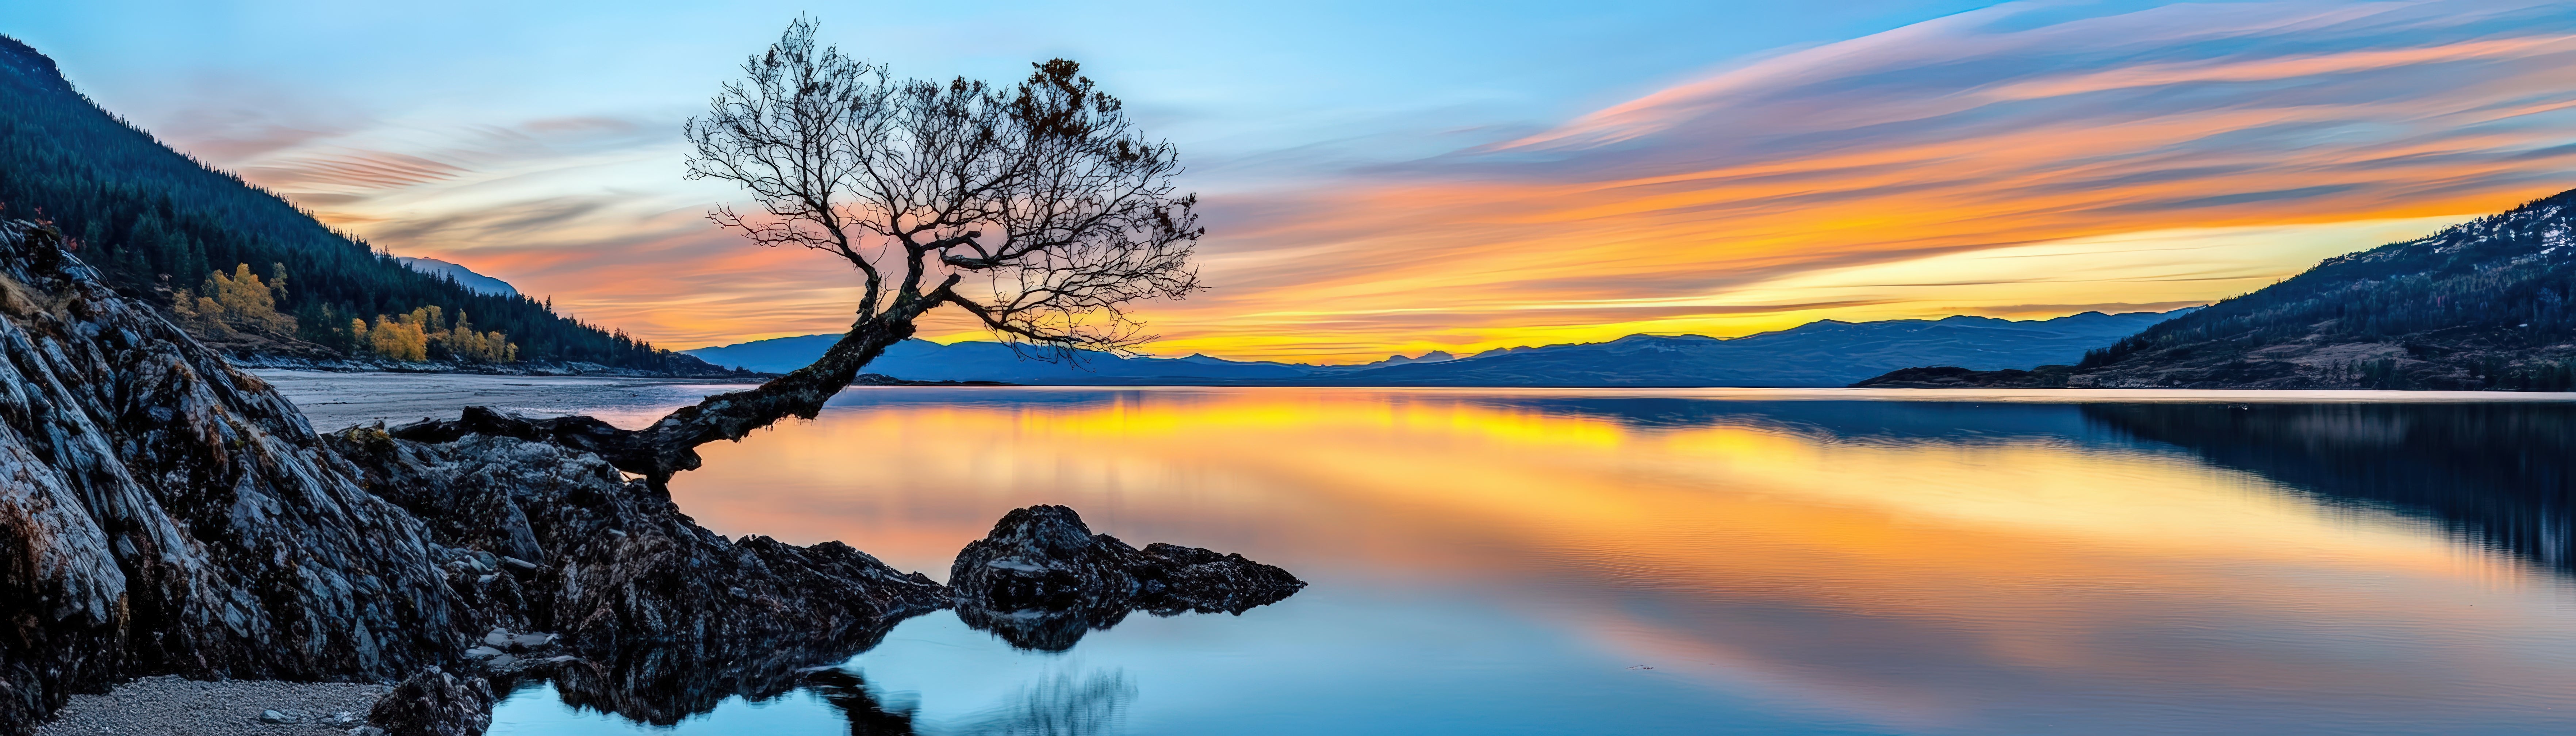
1386, 177
1383, 80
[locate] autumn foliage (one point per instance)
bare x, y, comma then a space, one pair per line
424, 332
240, 302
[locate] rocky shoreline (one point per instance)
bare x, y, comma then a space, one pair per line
165, 513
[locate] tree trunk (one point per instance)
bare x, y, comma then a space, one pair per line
670, 445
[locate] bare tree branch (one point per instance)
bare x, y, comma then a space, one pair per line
1041, 197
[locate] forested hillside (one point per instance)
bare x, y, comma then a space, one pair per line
158, 223
2481, 305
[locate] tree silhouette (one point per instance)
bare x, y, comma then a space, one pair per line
1036, 208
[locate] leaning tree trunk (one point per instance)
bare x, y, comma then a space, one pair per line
670, 445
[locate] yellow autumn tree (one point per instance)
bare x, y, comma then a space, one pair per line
463, 342
409, 337
238, 302
399, 337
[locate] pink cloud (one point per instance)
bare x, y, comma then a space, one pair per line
2019, 124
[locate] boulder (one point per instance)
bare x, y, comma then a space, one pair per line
1041, 579
435, 703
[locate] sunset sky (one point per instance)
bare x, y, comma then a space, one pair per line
1399, 177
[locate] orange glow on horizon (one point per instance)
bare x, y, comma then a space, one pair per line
1748, 199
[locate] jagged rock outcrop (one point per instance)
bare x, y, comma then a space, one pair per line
435, 703
659, 617
608, 563
162, 513
1041, 579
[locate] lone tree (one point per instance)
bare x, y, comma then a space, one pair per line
1037, 209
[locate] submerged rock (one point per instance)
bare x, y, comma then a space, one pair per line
1041, 579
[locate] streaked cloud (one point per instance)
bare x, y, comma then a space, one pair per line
2277, 133
2024, 160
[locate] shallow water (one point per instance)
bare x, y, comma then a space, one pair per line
1702, 561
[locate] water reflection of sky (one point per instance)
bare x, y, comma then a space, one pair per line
1510, 562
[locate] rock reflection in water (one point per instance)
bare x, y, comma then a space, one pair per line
645, 690
1041, 579
665, 683
2497, 474
1041, 629
1511, 562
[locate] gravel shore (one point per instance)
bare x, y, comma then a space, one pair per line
158, 706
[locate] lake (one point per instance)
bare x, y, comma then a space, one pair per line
1698, 561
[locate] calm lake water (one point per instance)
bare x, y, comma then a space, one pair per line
1699, 561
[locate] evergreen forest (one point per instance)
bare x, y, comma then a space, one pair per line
159, 224
2488, 298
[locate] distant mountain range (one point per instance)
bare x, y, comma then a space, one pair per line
465, 277
1824, 353
2478, 306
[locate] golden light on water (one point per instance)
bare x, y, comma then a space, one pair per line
1900, 575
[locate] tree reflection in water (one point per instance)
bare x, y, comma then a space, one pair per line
662, 687
868, 716
2500, 475
1063, 705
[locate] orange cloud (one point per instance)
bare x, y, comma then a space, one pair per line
2002, 128
1796, 187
